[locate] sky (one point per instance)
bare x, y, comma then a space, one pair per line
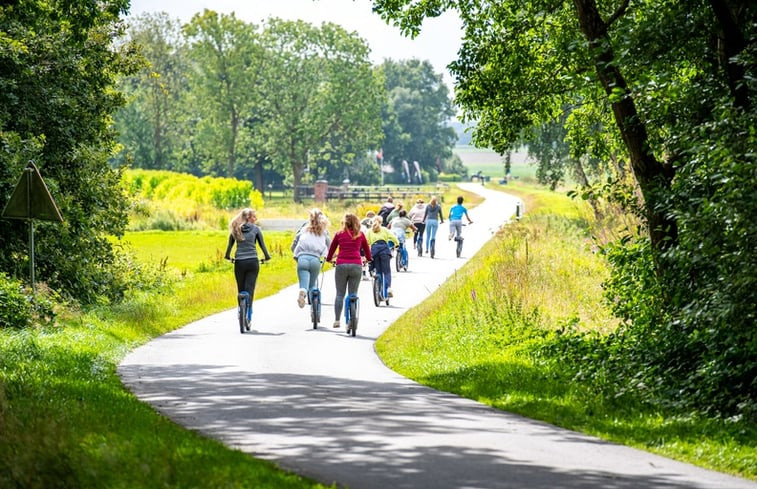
438, 42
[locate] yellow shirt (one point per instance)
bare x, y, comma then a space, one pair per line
382, 233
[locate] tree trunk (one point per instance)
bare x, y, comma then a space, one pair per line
653, 177
732, 42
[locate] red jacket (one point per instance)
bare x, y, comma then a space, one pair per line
349, 248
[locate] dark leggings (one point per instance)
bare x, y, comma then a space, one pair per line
246, 273
347, 279
418, 235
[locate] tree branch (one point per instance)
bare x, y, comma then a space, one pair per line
618, 13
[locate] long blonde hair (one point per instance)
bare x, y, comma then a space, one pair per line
318, 222
235, 226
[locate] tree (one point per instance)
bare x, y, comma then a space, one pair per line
416, 115
152, 125
321, 99
224, 77
677, 82
58, 69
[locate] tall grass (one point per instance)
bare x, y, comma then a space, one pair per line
485, 332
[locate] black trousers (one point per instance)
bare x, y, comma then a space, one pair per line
246, 273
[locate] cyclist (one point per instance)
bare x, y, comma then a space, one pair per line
417, 215
312, 243
399, 226
246, 234
395, 212
350, 240
382, 241
432, 219
456, 213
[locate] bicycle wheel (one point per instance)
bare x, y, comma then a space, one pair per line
315, 308
377, 285
405, 259
432, 250
354, 311
242, 313
398, 259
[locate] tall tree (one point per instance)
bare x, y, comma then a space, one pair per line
416, 117
677, 80
322, 99
58, 69
226, 70
151, 127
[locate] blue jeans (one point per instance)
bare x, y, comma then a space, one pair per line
308, 268
432, 225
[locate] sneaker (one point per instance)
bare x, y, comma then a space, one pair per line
301, 298
337, 325
450, 238
389, 292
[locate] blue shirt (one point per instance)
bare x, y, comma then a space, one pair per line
456, 212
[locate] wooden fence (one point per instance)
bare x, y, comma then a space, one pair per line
375, 193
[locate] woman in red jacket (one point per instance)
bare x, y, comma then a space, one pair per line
350, 241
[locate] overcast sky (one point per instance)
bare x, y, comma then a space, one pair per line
438, 42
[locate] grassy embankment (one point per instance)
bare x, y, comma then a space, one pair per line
479, 336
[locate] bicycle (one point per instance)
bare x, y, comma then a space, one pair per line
314, 299
380, 289
351, 313
401, 257
459, 240
244, 311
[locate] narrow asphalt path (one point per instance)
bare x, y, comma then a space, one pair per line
321, 404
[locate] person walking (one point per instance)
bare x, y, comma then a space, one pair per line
382, 241
432, 218
247, 236
350, 241
456, 213
386, 209
417, 216
310, 246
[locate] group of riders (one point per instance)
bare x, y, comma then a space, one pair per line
372, 241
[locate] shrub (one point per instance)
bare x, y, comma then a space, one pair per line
15, 306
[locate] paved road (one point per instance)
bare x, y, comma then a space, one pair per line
321, 403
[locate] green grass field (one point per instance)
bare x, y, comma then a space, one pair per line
492, 164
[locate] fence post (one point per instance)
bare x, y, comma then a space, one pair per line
320, 192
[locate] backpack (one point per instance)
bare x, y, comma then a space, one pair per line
384, 213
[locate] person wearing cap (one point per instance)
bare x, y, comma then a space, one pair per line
416, 216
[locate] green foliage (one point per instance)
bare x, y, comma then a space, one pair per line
415, 119
174, 201
15, 305
56, 101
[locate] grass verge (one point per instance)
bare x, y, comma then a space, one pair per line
67, 421
481, 336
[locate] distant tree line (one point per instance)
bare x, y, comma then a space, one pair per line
284, 102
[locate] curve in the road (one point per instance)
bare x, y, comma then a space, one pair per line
321, 403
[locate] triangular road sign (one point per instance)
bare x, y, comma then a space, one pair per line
31, 199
